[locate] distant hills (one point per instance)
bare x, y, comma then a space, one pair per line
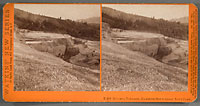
183, 20
36, 22
126, 21
92, 20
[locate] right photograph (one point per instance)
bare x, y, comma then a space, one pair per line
144, 47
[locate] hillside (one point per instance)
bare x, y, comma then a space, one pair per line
92, 20
37, 71
126, 70
142, 61
122, 20
183, 20
35, 22
40, 65
53, 54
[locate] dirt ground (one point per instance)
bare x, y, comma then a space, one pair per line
35, 70
127, 70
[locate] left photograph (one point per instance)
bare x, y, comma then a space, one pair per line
57, 47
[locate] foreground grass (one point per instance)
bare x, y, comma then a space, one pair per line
38, 71
126, 70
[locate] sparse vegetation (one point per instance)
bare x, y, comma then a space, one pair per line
143, 54
50, 54
25, 20
134, 22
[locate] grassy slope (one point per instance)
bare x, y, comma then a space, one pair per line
40, 71
121, 20
183, 20
127, 70
92, 20
34, 22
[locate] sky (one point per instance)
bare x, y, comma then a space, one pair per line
66, 11
158, 11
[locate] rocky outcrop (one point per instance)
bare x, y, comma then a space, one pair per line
91, 60
163, 51
70, 51
154, 47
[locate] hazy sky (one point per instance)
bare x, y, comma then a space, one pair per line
66, 11
158, 11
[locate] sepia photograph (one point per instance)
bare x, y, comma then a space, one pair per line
57, 47
144, 47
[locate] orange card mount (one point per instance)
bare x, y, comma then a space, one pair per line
100, 52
